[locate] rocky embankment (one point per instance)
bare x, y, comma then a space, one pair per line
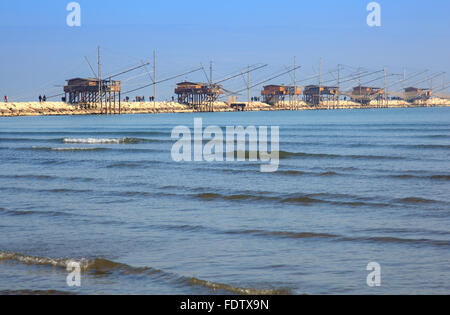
59, 108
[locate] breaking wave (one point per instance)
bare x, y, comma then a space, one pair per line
105, 140
234, 289
102, 267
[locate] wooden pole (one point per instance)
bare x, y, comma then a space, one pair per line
248, 86
100, 96
154, 79
211, 85
385, 87
320, 81
295, 82
339, 86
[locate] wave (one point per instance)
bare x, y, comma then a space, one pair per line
53, 162
288, 154
362, 145
435, 136
414, 129
138, 194
282, 234
234, 197
39, 261
64, 149
397, 240
237, 290
91, 266
293, 173
135, 164
67, 190
38, 190
185, 227
340, 238
255, 232
430, 177
132, 193
37, 177
425, 146
103, 267
35, 292
104, 141
31, 212
124, 165
84, 149
47, 177
329, 174
68, 140
88, 133
302, 199
404, 176
316, 235
405, 231
27, 140
440, 177
302, 173
415, 200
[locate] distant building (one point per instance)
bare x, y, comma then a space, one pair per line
316, 94
88, 93
198, 95
273, 94
413, 94
365, 94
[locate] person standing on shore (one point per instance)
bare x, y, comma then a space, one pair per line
40, 99
44, 98
6, 99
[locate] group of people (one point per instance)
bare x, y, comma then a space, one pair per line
141, 99
256, 99
41, 98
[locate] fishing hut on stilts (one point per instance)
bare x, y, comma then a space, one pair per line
97, 93
200, 96
94, 93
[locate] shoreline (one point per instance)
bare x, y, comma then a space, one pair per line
19, 109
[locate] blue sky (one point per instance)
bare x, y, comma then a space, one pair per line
39, 51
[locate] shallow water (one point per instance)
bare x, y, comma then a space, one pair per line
354, 186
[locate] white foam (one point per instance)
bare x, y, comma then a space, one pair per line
66, 149
95, 141
43, 261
